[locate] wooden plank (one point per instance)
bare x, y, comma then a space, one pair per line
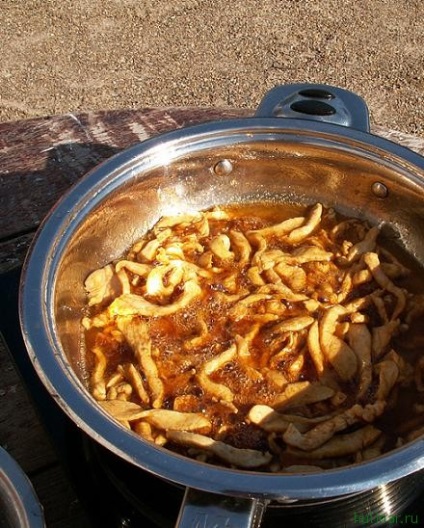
13, 251
24, 437
62, 509
41, 158
19, 420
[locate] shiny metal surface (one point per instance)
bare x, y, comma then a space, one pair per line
295, 161
319, 102
19, 504
219, 511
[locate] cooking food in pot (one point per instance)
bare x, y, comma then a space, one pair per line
261, 336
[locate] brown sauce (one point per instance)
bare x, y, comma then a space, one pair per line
179, 359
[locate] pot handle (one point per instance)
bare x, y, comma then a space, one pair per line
201, 509
316, 102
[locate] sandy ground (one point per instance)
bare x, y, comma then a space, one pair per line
60, 56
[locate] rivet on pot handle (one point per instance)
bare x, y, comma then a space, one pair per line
316, 102
206, 510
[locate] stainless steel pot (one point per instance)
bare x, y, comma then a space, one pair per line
19, 504
306, 143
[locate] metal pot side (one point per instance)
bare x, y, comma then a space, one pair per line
19, 504
258, 159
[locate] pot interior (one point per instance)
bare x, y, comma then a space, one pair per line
114, 205
366, 184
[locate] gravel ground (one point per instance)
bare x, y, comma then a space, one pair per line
60, 56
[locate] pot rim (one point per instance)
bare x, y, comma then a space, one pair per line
37, 320
17, 495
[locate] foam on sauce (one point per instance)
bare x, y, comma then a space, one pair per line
258, 378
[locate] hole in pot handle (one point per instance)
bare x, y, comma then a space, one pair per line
316, 102
201, 509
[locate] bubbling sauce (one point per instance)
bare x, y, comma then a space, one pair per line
261, 336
